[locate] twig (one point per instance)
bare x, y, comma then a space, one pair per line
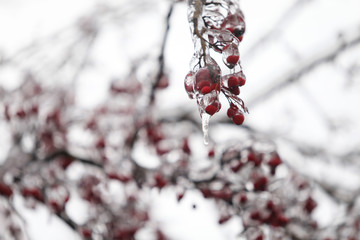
67, 154
305, 67
290, 13
161, 56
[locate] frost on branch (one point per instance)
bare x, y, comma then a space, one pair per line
219, 26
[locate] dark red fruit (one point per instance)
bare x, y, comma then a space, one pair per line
160, 181
213, 108
260, 184
233, 82
211, 153
238, 119
242, 81
232, 59
205, 90
310, 205
5, 190
186, 148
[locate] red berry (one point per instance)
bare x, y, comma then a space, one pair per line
211, 110
180, 196
186, 147
201, 84
270, 205
56, 206
282, 219
243, 198
34, 109
238, 119
202, 78
33, 192
237, 166
154, 134
65, 162
211, 153
260, 184
233, 82
100, 143
255, 215
160, 181
86, 232
203, 74
21, 114
255, 158
217, 104
310, 205
5, 190
232, 59
205, 90
242, 81
232, 111
275, 161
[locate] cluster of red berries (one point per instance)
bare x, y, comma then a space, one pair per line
205, 81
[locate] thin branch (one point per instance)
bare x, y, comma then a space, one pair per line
65, 153
162, 53
290, 13
85, 58
65, 218
306, 66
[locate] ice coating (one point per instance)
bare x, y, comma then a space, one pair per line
189, 84
205, 118
230, 55
216, 25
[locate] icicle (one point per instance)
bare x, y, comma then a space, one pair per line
205, 118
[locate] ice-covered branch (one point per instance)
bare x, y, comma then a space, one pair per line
308, 64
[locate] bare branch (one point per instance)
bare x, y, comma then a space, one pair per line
306, 66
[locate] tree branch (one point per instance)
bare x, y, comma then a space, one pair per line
162, 53
306, 66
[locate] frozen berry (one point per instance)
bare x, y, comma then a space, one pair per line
211, 110
238, 119
232, 59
